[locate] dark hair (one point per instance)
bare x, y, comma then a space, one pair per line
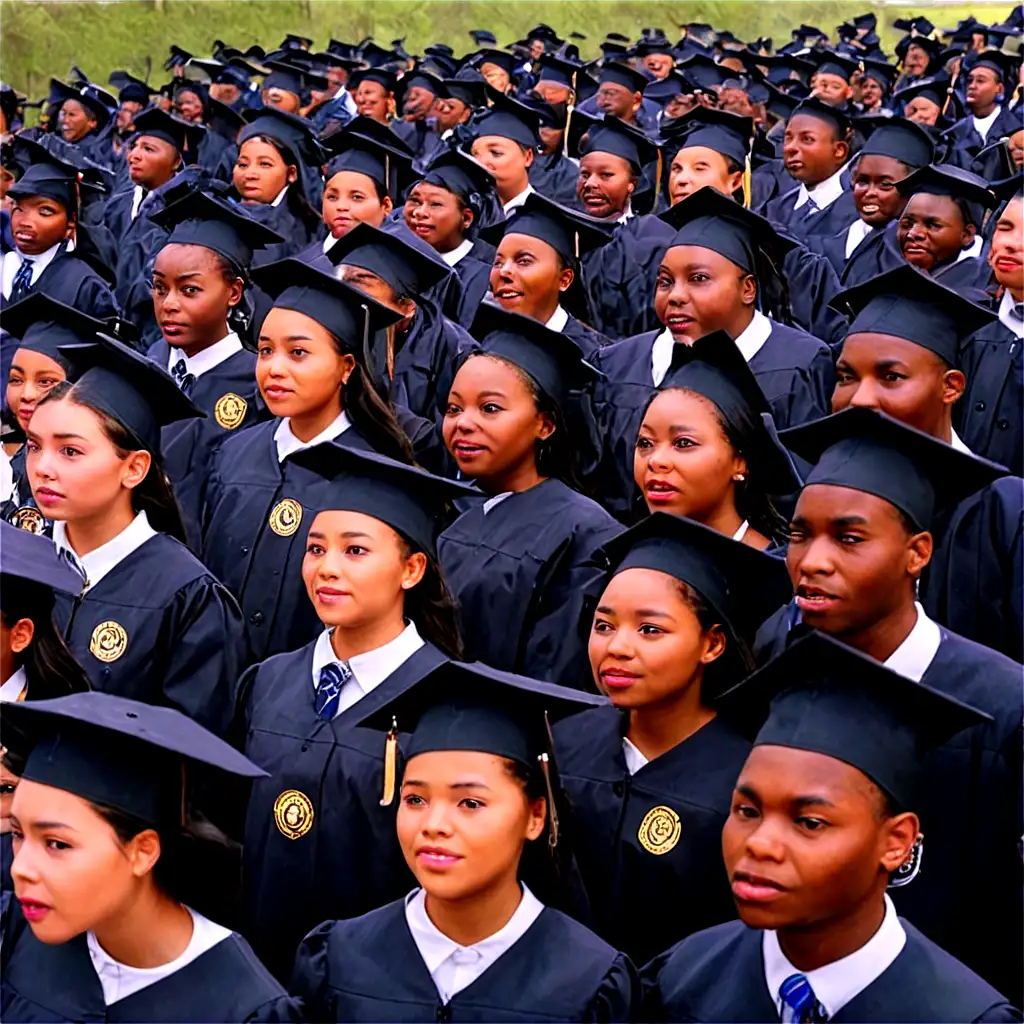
772, 288
295, 196
154, 495
574, 300
50, 668
237, 318
431, 607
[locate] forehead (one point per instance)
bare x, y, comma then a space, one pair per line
626, 589
36, 362
350, 180
868, 348
483, 372
831, 501
66, 418
680, 407
337, 521
696, 154
259, 148
35, 802
513, 243
932, 205
178, 258
808, 124
787, 773
600, 160
450, 767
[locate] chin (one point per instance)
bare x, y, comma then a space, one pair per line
763, 917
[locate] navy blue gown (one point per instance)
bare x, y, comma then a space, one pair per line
836, 217
555, 177
74, 282
474, 273
967, 142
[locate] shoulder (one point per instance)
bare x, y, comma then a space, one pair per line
584, 742
585, 511
625, 351
343, 947
178, 566
798, 341
978, 675
260, 434
289, 664
589, 951
700, 960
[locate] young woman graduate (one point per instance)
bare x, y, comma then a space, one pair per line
82, 114
371, 574
116, 868
374, 92
200, 277
152, 622
823, 817
482, 826
518, 562
718, 273
672, 631
312, 373
505, 141
192, 103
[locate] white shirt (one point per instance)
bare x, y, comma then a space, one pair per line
912, 658
823, 194
288, 444
517, 201
855, 234
496, 500
138, 195
13, 260
211, 357
453, 967
104, 559
1006, 317
460, 251
369, 670
749, 342
635, 760
983, 124
836, 983
280, 196
973, 251
957, 444
627, 213
557, 320
120, 981
11, 690
350, 103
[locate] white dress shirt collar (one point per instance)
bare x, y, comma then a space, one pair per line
982, 125
280, 196
836, 983
635, 760
327, 243
13, 260
459, 252
120, 981
855, 234
557, 320
13, 688
973, 251
627, 214
138, 194
104, 559
453, 967
661, 356
912, 658
1006, 317
517, 201
209, 358
957, 444
288, 444
824, 194
370, 669
752, 339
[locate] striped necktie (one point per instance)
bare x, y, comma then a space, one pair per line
22, 283
797, 994
328, 691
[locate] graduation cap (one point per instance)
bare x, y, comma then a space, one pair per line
419, 78
780, 104
97, 101
868, 21
828, 62
178, 58
884, 73
703, 72
342, 49
33, 560
949, 180
725, 133
866, 450
666, 89
898, 138
468, 86
375, 55
622, 74
655, 43
558, 70
589, 134
285, 76
49, 175
294, 42
545, 32
295, 133
130, 89
384, 78
908, 303
822, 696
358, 147
509, 119
933, 47
483, 37
461, 175
1001, 63
613, 48
935, 88
331, 59
116, 752
504, 60
184, 136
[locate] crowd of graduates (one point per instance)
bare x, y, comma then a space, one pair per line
505, 537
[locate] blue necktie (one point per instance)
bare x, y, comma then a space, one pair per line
22, 282
797, 994
328, 691
185, 380
1017, 311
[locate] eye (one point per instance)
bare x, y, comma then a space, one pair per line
16, 834
603, 626
314, 549
849, 539
298, 352
471, 803
649, 629
31, 446
796, 536
57, 845
699, 278
413, 800
812, 824
747, 811
491, 408
356, 550
684, 442
643, 443
452, 410
191, 289
892, 377
264, 350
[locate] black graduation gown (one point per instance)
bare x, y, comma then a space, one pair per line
590, 341
369, 969
794, 369
966, 275
555, 176
836, 217
474, 273
347, 861
72, 281
718, 975
247, 490
59, 983
159, 628
295, 232
117, 212
967, 141
229, 396
769, 180
812, 284
613, 813
518, 575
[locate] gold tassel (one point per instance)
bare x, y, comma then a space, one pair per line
390, 764
545, 767
660, 166
949, 92
390, 335
747, 183
576, 236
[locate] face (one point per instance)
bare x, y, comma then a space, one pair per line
552, 92
736, 101
698, 291
451, 112
70, 871
1006, 257
32, 375
496, 77
810, 150
418, 102
659, 64
299, 369
491, 424
38, 223
433, 213
983, 88
189, 106
76, 120
260, 172
897, 377
536, 48
463, 821
376, 287
372, 100
696, 166
281, 99
870, 93
874, 189
922, 111
225, 92
506, 160
932, 230
551, 139
152, 162
74, 470
617, 101
647, 648
916, 61
805, 842
830, 89
605, 184
350, 198
126, 115
1016, 147
527, 276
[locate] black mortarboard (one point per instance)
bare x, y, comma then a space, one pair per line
288, 77
375, 55
900, 139
129, 88
822, 696
866, 450
866, 21
622, 74
295, 133
933, 88
703, 72
828, 62
501, 58
881, 71
614, 48
562, 72
908, 303
714, 221
1001, 63
116, 752
949, 180
392, 254
183, 135
468, 86
33, 559
461, 175
358, 147
55, 168
292, 41
590, 134
570, 233
419, 77
212, 222
483, 37
725, 133
387, 79
406, 498
933, 47
223, 120
177, 58
97, 101
653, 44
832, 116
137, 392
509, 119
666, 89
780, 104
42, 324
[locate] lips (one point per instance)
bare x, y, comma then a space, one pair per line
618, 678
423, 229
1008, 263
437, 858
660, 492
814, 600
173, 329
467, 450
750, 888
508, 295
275, 393
24, 236
679, 323
330, 595
34, 910
47, 496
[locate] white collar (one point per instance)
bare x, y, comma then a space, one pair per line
983, 124
120, 981
627, 213
137, 197
1011, 323
912, 658
855, 234
14, 687
280, 196
209, 358
288, 444
453, 967
557, 320
824, 194
661, 356
7, 488
369, 669
496, 500
973, 251
107, 556
752, 339
14, 259
341, 93
517, 201
837, 983
460, 251
635, 760
741, 530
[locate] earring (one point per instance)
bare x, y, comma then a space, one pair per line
739, 477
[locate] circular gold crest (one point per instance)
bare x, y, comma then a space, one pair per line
28, 518
293, 814
660, 830
230, 410
109, 641
285, 518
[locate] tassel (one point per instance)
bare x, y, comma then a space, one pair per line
387, 172
570, 107
545, 767
390, 356
390, 764
949, 91
747, 183
659, 171
576, 236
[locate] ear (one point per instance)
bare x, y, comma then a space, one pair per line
348, 364
919, 553
530, 153
967, 239
467, 218
235, 292
841, 150
546, 428
143, 851
134, 469
898, 840
714, 645
538, 818
386, 205
734, 182
293, 174
748, 290
953, 384
413, 570
565, 279
20, 635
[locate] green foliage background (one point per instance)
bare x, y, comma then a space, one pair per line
43, 39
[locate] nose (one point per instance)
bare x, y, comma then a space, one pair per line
763, 843
659, 459
41, 465
274, 366
815, 558
435, 820
865, 396
329, 567
789, 149
23, 867
621, 645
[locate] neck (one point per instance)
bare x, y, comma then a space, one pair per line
347, 643
724, 519
1017, 294
509, 192
743, 320
91, 532
826, 942
546, 310
985, 111
309, 424
811, 186
151, 932
656, 728
516, 479
478, 916
201, 346
881, 638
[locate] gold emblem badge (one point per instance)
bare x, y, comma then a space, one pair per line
660, 830
109, 641
230, 410
285, 517
28, 518
293, 814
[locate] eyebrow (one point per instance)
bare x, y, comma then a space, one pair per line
851, 520
290, 337
69, 437
749, 792
491, 394
468, 784
808, 801
43, 825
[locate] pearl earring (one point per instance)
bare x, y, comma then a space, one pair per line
739, 478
